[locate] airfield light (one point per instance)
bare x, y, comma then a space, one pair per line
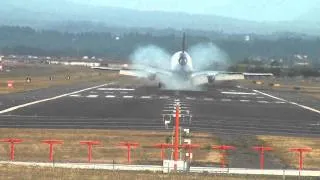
51, 142
301, 151
262, 149
129, 145
189, 147
162, 146
10, 84
12, 142
223, 154
90, 144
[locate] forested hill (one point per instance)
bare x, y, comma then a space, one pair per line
24, 40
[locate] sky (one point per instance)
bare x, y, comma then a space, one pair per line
254, 10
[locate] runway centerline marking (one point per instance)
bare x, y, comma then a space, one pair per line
238, 93
50, 99
293, 103
225, 100
145, 97
110, 96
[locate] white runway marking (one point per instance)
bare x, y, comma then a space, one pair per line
124, 92
191, 98
265, 102
164, 97
208, 99
280, 102
92, 96
93, 92
238, 93
226, 100
75, 95
110, 96
127, 97
50, 99
244, 96
115, 89
280, 99
244, 100
260, 97
109, 92
145, 97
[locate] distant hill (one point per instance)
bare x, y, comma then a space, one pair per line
67, 16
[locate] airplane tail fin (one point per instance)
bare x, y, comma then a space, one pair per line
184, 42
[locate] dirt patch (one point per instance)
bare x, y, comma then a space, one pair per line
281, 148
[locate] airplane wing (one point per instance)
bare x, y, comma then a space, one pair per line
204, 77
146, 72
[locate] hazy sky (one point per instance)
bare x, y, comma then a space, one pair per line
258, 10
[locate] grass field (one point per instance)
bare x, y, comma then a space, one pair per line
33, 150
40, 77
281, 144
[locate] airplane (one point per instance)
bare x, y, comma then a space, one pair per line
181, 74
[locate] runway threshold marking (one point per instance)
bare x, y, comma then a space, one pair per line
50, 99
293, 103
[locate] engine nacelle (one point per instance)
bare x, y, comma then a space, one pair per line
210, 79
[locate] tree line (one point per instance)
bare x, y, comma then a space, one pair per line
27, 41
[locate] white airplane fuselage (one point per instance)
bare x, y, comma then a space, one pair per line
181, 65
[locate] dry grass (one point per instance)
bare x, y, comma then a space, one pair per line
281, 145
40, 77
33, 150
20, 172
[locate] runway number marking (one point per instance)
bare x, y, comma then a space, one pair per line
293, 103
50, 99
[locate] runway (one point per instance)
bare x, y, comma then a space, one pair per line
226, 109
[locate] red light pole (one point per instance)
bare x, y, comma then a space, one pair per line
51, 142
301, 151
189, 147
176, 137
129, 145
162, 146
262, 149
223, 149
12, 142
90, 144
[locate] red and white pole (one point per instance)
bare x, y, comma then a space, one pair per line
176, 138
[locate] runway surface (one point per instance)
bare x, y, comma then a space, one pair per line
228, 109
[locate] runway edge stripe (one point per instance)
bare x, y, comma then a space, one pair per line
293, 103
50, 99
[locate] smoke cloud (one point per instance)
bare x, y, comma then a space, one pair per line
206, 55
151, 55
